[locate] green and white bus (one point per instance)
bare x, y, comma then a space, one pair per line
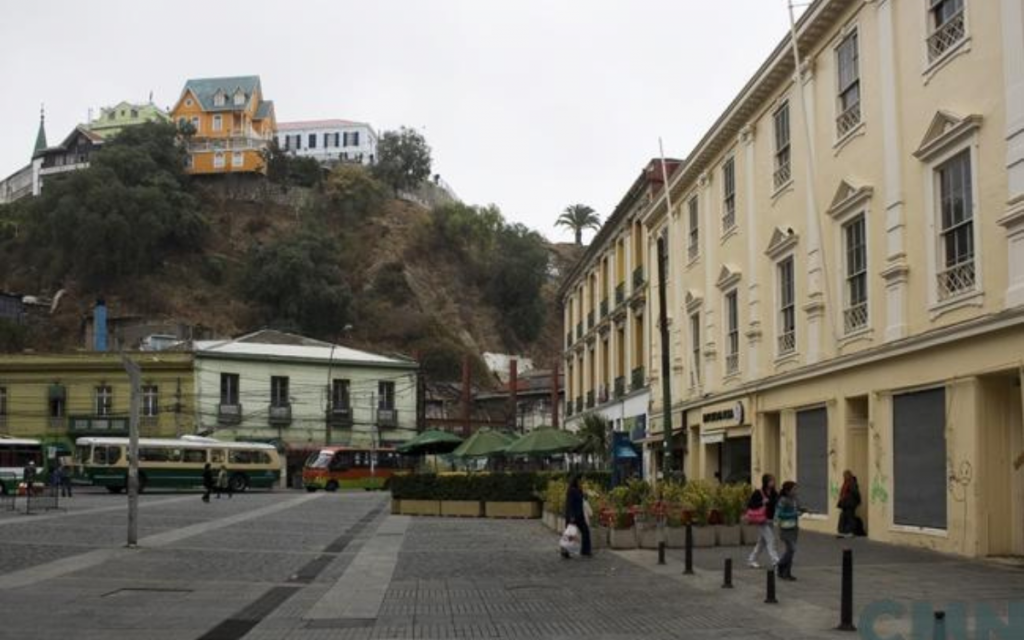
15, 454
175, 464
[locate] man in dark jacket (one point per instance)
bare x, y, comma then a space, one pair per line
575, 513
207, 482
849, 500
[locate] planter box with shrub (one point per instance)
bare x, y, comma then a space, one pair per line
461, 508
522, 510
675, 537
703, 536
622, 538
598, 537
728, 535
420, 507
750, 533
648, 537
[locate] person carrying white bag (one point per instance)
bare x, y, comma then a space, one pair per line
576, 537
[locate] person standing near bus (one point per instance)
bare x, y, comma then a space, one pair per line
223, 484
65, 481
207, 482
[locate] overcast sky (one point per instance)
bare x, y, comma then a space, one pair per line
532, 105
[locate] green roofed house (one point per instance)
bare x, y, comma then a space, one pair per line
112, 120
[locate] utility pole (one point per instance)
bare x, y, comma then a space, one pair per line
666, 361
513, 396
466, 411
554, 396
135, 380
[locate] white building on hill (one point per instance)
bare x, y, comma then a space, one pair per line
329, 141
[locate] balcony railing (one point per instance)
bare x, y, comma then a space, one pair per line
732, 362
847, 120
620, 293
97, 424
620, 386
229, 413
946, 36
590, 319
787, 343
387, 417
638, 277
590, 399
280, 414
604, 308
782, 175
228, 144
729, 218
579, 330
568, 408
956, 280
340, 415
855, 317
637, 378
579, 404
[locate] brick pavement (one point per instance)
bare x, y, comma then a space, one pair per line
451, 578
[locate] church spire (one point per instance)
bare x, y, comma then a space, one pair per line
41, 136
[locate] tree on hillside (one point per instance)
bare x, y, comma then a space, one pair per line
517, 272
124, 215
403, 159
298, 281
578, 217
353, 191
289, 170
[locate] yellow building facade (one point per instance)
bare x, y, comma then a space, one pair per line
232, 124
57, 398
845, 277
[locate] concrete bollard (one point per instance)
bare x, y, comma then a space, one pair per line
770, 596
846, 595
727, 580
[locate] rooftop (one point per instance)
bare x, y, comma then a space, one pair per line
318, 124
268, 343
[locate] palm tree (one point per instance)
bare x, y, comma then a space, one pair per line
579, 217
595, 434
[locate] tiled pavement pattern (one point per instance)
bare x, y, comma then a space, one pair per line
453, 578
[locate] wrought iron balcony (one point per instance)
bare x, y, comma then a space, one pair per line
579, 330
637, 378
620, 386
620, 293
340, 415
280, 415
387, 417
956, 280
229, 413
590, 399
604, 308
787, 343
579, 404
732, 362
855, 317
782, 174
97, 425
847, 120
638, 277
590, 319
947, 36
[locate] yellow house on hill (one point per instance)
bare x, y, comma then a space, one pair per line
232, 124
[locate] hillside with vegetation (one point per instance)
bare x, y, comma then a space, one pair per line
335, 256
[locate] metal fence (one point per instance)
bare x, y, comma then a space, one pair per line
8, 491
45, 499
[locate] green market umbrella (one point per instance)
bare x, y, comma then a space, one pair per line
431, 441
544, 441
484, 442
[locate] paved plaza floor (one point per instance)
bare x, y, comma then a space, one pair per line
302, 566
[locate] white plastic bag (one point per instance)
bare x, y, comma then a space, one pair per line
588, 512
570, 542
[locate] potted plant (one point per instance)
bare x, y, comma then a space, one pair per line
675, 515
730, 501
651, 514
699, 499
622, 532
554, 505
598, 505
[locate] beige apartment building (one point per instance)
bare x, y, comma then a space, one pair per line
608, 319
846, 275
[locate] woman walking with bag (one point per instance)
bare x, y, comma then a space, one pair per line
576, 514
787, 513
761, 512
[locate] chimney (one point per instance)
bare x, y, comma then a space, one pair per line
99, 326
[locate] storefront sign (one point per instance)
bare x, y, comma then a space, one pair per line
720, 417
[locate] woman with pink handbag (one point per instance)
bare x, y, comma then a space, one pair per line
761, 512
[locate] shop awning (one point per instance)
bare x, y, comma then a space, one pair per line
623, 451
